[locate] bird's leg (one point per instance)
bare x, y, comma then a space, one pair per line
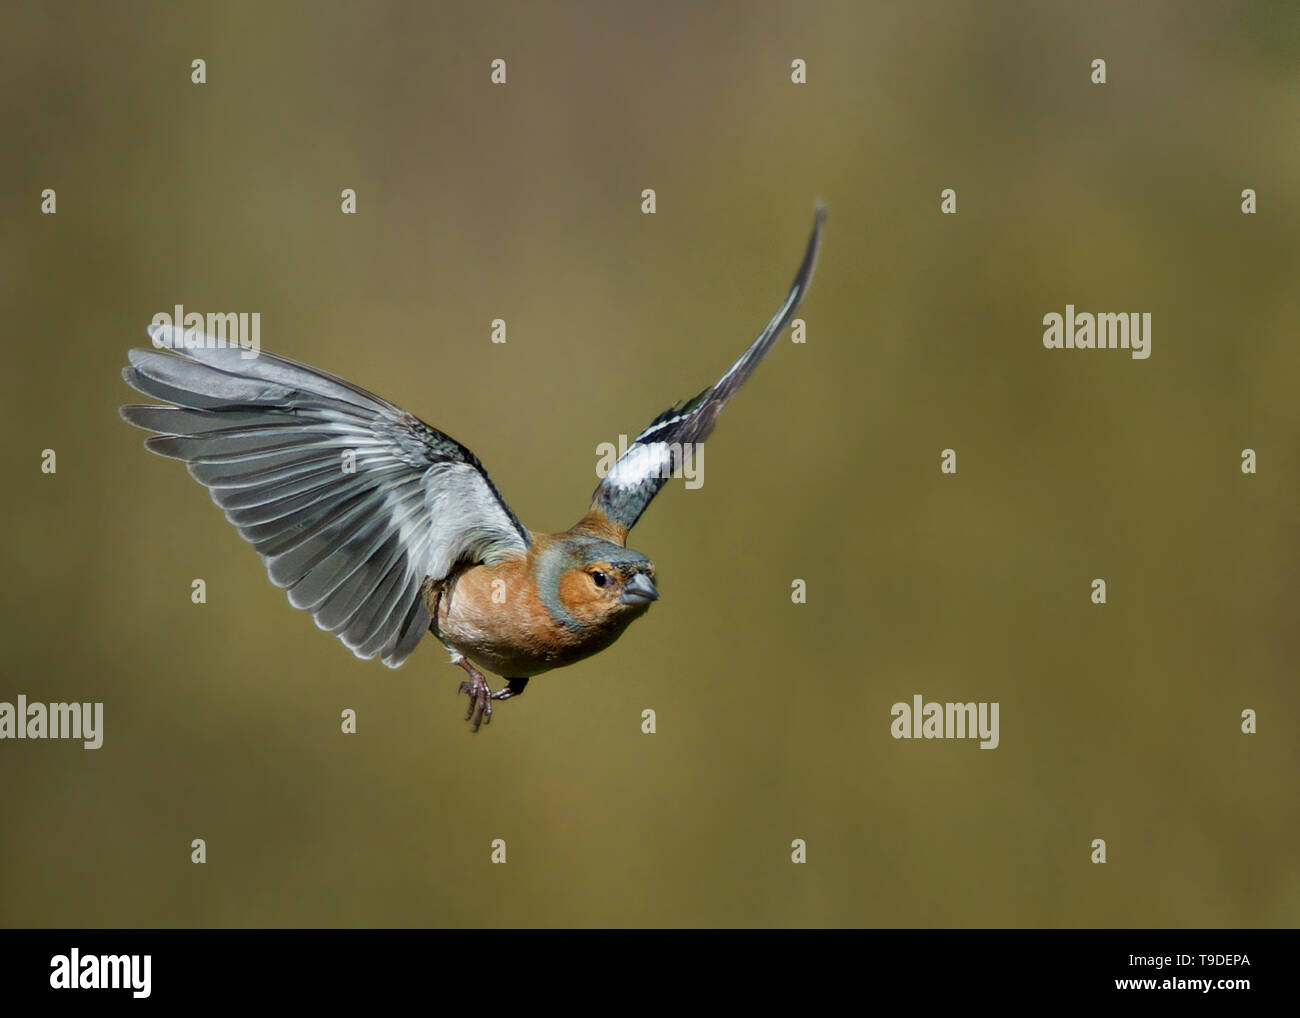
480, 695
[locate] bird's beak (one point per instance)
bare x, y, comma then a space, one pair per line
639, 590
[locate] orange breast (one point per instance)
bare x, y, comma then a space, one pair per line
492, 614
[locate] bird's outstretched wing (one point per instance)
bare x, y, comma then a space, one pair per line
657, 452
351, 502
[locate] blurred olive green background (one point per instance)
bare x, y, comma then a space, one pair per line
924, 332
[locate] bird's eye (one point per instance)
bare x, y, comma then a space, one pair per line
599, 578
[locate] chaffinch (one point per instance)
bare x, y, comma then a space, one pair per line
415, 537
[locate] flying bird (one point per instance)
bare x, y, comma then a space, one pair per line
385, 528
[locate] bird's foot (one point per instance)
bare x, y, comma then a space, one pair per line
481, 694
513, 687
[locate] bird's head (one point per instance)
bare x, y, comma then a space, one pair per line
590, 583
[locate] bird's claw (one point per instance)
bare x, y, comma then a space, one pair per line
480, 701
481, 694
